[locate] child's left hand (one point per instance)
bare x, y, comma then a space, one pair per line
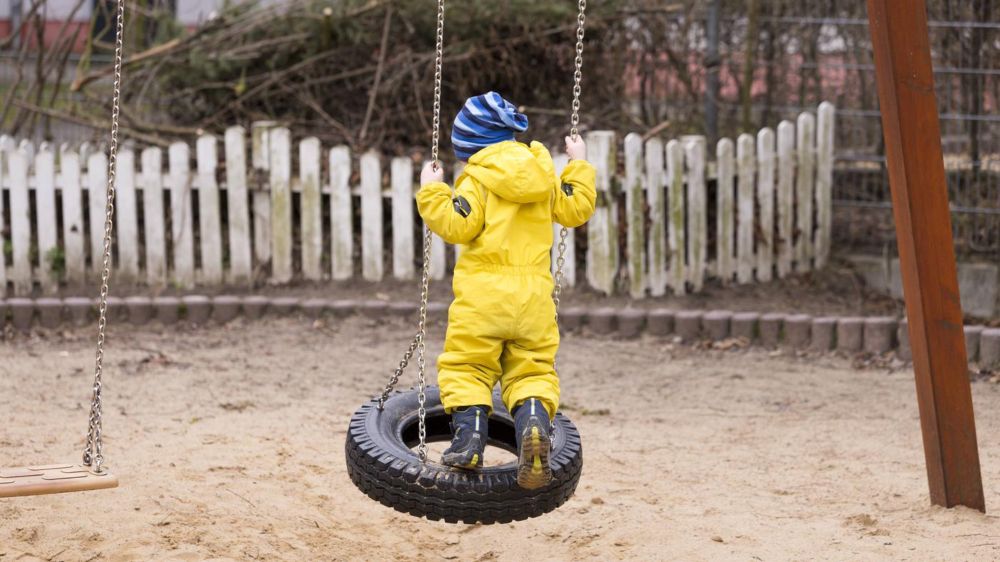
433, 172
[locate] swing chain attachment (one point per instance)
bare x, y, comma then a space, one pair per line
419, 340
574, 132
93, 452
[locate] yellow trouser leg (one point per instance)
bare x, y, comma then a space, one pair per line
469, 368
528, 362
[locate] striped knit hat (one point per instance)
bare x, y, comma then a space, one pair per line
485, 120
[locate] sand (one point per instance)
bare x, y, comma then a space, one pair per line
229, 445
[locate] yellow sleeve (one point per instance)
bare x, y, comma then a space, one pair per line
576, 194
457, 218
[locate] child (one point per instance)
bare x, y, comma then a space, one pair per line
501, 325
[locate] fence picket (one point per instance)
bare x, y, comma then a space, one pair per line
341, 215
635, 215
656, 243
402, 218
181, 217
724, 215
745, 259
824, 182
280, 162
209, 213
602, 230
45, 215
260, 154
72, 212
697, 211
238, 211
676, 239
311, 211
785, 196
806, 153
20, 221
97, 193
765, 204
4, 177
126, 217
560, 161
371, 216
154, 224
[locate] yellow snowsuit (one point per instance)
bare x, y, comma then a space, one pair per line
501, 325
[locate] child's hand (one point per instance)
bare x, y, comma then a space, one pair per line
576, 149
432, 173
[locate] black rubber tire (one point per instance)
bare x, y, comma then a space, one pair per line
381, 464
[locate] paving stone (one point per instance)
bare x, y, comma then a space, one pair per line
343, 308
437, 312
744, 325
117, 311
225, 308
903, 351
879, 334
824, 332
798, 331
404, 309
198, 308
601, 321
660, 321
50, 312
687, 324
140, 310
989, 348
770, 328
373, 308
572, 319
315, 308
3, 313
80, 310
850, 334
630, 322
255, 306
716, 324
284, 305
22, 313
972, 335
167, 309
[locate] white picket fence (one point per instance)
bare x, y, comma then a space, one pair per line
184, 227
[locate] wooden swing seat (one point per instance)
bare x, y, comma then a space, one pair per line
53, 479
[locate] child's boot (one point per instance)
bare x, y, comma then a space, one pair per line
469, 435
534, 444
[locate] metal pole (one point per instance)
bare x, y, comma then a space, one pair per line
910, 124
712, 73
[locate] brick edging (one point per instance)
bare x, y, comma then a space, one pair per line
877, 334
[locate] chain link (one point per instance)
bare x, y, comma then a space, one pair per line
93, 451
418, 344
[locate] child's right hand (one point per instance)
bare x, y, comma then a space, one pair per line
433, 172
576, 149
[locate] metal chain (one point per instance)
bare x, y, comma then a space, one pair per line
574, 132
419, 340
93, 451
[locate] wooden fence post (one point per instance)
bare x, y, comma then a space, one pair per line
745, 259
657, 243
697, 210
602, 230
785, 196
153, 216
237, 197
4, 177
806, 152
635, 213
569, 266
72, 207
824, 182
676, 232
765, 204
341, 214
311, 209
45, 214
402, 218
724, 215
280, 160
181, 219
209, 213
127, 217
371, 216
20, 221
260, 155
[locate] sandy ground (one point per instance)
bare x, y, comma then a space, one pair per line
229, 445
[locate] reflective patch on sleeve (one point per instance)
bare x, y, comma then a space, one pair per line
462, 206
567, 189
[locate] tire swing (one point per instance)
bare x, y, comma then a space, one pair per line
382, 433
91, 474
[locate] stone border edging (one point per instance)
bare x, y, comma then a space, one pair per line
851, 334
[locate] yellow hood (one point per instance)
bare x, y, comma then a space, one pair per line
514, 171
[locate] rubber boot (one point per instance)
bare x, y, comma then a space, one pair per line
469, 435
534, 444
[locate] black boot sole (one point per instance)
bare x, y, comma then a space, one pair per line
533, 470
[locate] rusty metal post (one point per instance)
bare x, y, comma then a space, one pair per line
912, 132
